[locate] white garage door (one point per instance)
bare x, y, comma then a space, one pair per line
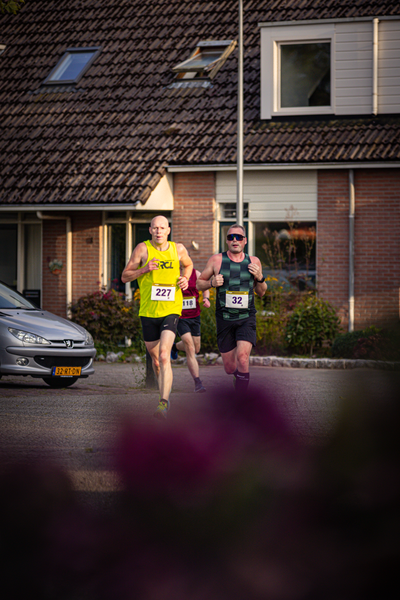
273, 195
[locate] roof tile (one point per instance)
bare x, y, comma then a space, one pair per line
109, 138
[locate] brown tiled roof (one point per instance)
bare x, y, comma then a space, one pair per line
109, 138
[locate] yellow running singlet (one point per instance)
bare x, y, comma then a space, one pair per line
159, 293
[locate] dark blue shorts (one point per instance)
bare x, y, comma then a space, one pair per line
189, 326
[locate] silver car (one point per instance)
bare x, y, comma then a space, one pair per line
37, 343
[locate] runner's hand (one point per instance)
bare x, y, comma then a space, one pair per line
183, 283
152, 265
206, 303
217, 280
256, 271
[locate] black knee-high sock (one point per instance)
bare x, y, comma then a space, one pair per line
241, 381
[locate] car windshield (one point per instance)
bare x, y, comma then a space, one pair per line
11, 299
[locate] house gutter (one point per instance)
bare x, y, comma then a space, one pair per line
43, 217
279, 166
352, 210
375, 23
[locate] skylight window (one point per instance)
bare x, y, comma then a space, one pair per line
206, 60
72, 65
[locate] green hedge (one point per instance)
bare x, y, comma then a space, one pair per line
109, 318
370, 344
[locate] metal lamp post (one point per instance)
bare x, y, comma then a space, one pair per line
239, 168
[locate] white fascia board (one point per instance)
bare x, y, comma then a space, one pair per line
282, 166
66, 207
313, 21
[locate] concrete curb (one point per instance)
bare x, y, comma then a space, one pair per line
323, 363
278, 361
302, 363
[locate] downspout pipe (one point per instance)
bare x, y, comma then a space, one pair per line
352, 210
41, 216
375, 46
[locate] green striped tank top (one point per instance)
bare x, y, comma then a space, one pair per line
237, 278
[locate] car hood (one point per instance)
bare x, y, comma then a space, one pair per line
43, 323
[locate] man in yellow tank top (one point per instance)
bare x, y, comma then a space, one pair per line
157, 265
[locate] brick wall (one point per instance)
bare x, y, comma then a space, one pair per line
333, 239
193, 217
54, 286
86, 253
377, 247
86, 259
377, 244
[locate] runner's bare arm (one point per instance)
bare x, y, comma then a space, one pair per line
255, 269
134, 268
210, 276
186, 264
206, 293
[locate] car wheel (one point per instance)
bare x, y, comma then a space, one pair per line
60, 382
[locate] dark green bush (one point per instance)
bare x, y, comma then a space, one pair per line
208, 326
108, 317
273, 311
345, 343
312, 322
370, 344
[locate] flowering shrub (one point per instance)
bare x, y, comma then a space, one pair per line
108, 317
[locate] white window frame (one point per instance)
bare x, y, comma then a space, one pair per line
271, 40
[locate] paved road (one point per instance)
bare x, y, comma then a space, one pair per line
75, 426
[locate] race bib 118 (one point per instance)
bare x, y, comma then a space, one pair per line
189, 302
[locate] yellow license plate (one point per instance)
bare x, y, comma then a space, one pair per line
67, 371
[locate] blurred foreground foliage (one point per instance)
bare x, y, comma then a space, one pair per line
220, 503
11, 6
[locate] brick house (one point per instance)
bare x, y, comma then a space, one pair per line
113, 114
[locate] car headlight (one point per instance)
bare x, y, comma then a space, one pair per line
27, 337
88, 339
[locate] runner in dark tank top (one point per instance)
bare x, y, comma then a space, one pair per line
237, 276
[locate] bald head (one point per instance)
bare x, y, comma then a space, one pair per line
160, 220
159, 230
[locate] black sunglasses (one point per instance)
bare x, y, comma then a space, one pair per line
235, 236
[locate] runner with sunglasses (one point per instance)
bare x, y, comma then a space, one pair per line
236, 276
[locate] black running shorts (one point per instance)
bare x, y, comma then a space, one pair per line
152, 328
230, 332
189, 326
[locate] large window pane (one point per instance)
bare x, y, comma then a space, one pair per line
33, 253
117, 244
305, 74
287, 251
8, 254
